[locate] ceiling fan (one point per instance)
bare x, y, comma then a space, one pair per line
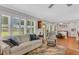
51, 5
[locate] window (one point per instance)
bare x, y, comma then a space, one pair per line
5, 26
15, 26
33, 27
32, 23
32, 30
4, 20
22, 31
50, 28
30, 27
22, 27
28, 30
0, 24
28, 22
22, 22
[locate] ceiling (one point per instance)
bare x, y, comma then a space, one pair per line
58, 13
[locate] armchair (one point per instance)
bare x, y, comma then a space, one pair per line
51, 41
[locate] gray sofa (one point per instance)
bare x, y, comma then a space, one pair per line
25, 46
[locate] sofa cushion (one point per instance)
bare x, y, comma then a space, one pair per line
25, 47
25, 38
18, 39
21, 47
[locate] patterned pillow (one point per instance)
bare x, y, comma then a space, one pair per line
8, 43
13, 40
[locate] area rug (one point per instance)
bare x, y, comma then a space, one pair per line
46, 50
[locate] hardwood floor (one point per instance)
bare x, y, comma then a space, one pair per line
70, 44
69, 51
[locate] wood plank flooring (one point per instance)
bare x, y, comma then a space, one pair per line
71, 45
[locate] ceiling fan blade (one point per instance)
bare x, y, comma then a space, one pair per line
69, 5
50, 6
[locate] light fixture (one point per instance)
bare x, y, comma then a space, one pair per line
61, 23
69, 5
43, 25
51, 5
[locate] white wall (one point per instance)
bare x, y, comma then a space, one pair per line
70, 26
62, 27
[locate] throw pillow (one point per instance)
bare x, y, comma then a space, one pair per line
13, 42
33, 37
8, 42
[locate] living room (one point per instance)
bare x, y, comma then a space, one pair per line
26, 31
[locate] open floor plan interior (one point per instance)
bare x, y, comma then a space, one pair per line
39, 29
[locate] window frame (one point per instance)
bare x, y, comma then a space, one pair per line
16, 26
31, 26
8, 25
23, 26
